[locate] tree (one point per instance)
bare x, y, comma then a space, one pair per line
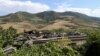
92, 45
7, 36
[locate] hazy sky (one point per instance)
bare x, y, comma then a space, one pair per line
89, 7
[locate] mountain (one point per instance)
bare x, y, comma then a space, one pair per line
49, 20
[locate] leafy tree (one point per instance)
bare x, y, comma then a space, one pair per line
7, 36
92, 44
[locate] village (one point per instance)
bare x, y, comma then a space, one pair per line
29, 38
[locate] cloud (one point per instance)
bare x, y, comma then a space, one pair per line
10, 6
91, 12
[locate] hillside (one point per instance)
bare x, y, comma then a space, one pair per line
49, 20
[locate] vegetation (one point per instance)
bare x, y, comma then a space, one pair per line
49, 49
92, 45
60, 48
7, 36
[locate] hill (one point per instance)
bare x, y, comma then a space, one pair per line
49, 20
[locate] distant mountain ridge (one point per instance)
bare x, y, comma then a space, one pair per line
49, 17
52, 15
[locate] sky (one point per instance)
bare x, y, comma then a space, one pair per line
88, 7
